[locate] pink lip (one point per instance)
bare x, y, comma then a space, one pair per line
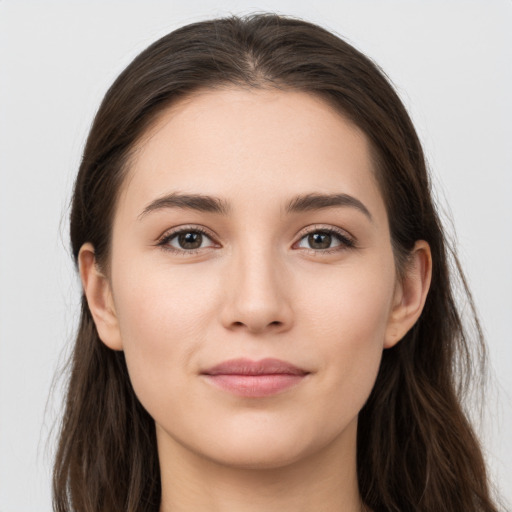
255, 379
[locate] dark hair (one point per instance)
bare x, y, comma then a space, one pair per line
416, 449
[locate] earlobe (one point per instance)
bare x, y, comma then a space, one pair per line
98, 293
411, 294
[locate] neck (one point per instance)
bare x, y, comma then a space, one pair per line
325, 480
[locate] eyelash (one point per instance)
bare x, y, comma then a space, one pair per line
164, 241
346, 242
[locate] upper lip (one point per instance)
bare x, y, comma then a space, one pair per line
268, 366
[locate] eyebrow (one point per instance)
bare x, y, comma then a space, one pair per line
308, 202
210, 204
198, 202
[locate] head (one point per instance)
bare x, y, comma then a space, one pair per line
288, 96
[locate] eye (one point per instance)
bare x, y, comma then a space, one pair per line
325, 240
188, 240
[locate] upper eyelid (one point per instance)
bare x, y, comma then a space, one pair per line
203, 229
168, 233
324, 227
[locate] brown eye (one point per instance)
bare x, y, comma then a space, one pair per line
319, 240
190, 240
187, 240
324, 239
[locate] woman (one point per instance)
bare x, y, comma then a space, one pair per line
267, 320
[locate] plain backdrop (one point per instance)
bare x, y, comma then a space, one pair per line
451, 62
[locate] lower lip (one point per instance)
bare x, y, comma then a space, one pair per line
255, 386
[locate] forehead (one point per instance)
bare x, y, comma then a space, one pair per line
251, 144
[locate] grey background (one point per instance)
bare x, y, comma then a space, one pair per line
452, 64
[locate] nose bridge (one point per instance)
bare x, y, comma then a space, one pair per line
258, 295
257, 274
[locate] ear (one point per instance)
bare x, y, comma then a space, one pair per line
98, 292
410, 294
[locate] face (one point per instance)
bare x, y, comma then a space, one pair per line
252, 276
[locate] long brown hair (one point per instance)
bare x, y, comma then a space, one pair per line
416, 449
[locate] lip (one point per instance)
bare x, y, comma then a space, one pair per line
256, 379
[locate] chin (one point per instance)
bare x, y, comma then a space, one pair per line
266, 447
257, 454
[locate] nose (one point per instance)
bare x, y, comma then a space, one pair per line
257, 294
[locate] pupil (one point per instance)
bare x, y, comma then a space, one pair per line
319, 240
190, 240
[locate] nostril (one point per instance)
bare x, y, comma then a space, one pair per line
275, 323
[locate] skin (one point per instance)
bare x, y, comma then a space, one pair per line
255, 288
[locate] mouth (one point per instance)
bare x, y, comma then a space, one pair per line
254, 379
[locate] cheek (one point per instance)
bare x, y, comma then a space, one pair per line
348, 317
352, 303
163, 314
